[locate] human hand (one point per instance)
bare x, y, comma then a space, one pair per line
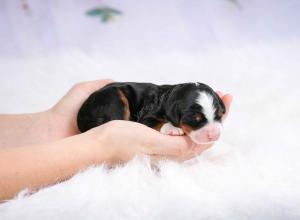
45, 161
227, 99
123, 134
119, 141
63, 116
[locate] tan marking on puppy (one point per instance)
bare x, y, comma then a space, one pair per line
126, 105
159, 125
186, 128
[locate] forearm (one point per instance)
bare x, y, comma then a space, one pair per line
23, 129
34, 128
40, 165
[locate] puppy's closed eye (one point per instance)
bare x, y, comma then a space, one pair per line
198, 117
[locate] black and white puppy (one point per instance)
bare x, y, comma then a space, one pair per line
193, 109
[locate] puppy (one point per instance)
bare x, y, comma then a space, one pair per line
193, 109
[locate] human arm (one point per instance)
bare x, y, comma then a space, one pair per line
53, 124
36, 166
41, 162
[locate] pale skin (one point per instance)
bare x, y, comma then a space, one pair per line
44, 148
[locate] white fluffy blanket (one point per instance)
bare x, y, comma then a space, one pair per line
251, 173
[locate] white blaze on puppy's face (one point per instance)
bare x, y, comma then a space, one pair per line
212, 130
206, 101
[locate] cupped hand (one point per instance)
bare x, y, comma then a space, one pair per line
119, 141
63, 116
227, 99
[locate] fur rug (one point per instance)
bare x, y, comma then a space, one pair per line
253, 172
251, 51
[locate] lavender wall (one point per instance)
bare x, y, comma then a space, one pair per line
146, 27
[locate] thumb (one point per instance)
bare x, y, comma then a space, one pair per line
179, 148
166, 145
97, 84
227, 99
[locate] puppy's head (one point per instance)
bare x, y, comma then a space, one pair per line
198, 110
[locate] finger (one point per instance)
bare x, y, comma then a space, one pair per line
101, 81
192, 152
227, 99
170, 146
198, 149
155, 159
195, 150
179, 158
178, 148
220, 94
97, 84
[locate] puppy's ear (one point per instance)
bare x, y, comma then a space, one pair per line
173, 114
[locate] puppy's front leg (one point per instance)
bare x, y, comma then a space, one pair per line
169, 129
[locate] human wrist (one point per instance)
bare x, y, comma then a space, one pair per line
59, 126
95, 141
24, 129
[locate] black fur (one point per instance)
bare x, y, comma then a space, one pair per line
149, 104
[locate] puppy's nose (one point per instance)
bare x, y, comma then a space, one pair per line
212, 132
208, 133
213, 135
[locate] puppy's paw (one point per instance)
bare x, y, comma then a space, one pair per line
169, 129
176, 132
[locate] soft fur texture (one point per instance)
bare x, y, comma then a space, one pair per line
156, 105
251, 173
